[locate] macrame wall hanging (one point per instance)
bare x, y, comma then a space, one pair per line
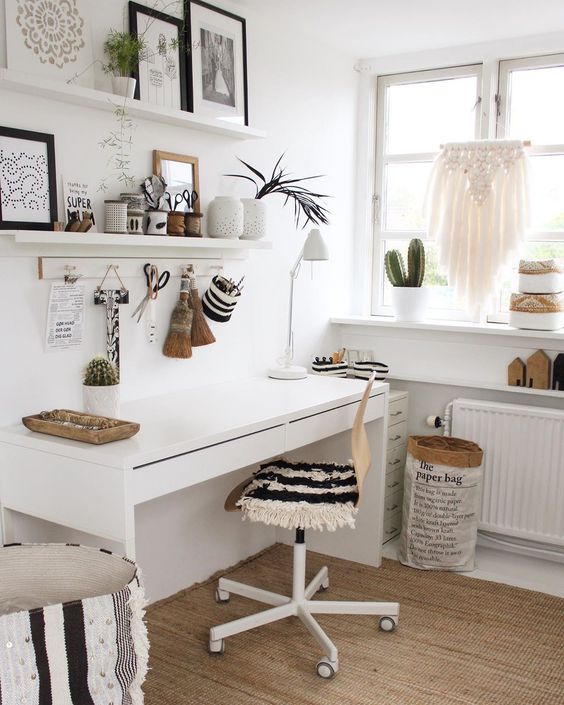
478, 212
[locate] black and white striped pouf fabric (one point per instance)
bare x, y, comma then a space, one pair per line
301, 495
363, 370
71, 627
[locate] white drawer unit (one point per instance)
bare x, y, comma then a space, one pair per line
395, 464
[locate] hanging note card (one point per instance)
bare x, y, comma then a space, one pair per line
65, 317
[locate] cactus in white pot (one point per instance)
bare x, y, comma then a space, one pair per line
101, 388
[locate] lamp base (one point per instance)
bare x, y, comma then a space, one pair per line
289, 372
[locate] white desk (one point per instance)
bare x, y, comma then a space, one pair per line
185, 438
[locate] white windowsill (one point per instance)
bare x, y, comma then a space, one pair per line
450, 326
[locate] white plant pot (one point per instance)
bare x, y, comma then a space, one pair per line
124, 86
254, 219
225, 217
410, 303
101, 401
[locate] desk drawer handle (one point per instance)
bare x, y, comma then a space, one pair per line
391, 509
396, 461
391, 531
396, 413
395, 438
394, 484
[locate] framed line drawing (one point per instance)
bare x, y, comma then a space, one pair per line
217, 62
28, 183
161, 73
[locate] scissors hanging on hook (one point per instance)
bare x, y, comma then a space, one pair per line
154, 284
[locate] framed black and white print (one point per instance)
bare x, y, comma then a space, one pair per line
161, 73
217, 62
28, 183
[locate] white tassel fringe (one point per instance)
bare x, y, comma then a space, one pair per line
137, 604
299, 515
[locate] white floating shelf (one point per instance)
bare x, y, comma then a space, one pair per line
27, 243
100, 100
473, 384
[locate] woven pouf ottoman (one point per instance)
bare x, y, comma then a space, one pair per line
71, 627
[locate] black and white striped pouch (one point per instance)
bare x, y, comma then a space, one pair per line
217, 304
301, 495
337, 369
71, 626
363, 370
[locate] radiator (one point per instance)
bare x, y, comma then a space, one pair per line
523, 488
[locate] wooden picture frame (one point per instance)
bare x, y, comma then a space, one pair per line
159, 168
216, 62
156, 81
28, 191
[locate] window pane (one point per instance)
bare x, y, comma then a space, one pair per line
405, 190
536, 110
547, 180
441, 294
422, 116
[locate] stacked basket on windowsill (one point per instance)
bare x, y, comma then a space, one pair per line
539, 305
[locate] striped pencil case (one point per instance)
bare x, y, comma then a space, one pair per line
363, 370
330, 369
71, 626
217, 303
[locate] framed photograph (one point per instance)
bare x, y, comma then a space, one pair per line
217, 62
28, 184
161, 74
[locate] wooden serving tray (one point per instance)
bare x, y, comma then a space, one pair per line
122, 429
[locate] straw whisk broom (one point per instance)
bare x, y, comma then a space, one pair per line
201, 333
178, 342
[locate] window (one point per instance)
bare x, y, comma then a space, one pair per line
419, 111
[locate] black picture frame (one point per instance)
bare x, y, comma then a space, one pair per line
193, 43
135, 9
49, 141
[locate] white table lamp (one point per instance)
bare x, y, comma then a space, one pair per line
314, 249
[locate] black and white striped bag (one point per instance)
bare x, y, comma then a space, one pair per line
217, 304
71, 626
363, 370
301, 495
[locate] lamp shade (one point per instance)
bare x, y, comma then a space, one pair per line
315, 247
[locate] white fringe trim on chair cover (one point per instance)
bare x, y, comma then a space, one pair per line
299, 515
137, 604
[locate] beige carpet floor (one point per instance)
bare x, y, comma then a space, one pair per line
460, 641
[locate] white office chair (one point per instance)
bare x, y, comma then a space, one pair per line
301, 496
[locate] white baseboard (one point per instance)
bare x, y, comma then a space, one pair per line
533, 549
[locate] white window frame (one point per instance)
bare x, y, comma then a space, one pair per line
383, 159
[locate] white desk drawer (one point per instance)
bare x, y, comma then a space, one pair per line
394, 481
395, 458
397, 411
392, 526
328, 423
392, 503
397, 434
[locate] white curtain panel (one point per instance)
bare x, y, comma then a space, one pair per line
477, 206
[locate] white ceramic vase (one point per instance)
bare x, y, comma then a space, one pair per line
101, 401
254, 219
225, 217
410, 303
124, 86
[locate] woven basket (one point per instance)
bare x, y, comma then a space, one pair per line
71, 626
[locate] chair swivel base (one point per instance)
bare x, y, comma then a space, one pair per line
299, 605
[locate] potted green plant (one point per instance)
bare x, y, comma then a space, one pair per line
123, 51
409, 296
101, 388
306, 203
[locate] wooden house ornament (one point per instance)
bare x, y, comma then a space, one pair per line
538, 370
516, 373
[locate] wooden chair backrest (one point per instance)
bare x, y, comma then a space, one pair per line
362, 458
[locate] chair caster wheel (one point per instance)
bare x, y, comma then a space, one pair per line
216, 648
387, 624
326, 669
221, 596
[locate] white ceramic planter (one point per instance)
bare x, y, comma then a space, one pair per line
225, 217
254, 219
124, 86
101, 401
410, 303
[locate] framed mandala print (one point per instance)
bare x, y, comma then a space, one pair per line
161, 73
28, 184
217, 62
50, 38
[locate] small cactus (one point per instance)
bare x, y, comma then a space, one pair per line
395, 267
100, 372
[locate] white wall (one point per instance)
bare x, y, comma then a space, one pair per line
303, 95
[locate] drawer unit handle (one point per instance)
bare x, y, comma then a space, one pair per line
391, 509
394, 484
395, 438
396, 461
391, 531
396, 413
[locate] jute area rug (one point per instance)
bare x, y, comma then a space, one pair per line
460, 641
